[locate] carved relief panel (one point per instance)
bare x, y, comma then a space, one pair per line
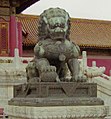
4, 36
4, 7
4, 3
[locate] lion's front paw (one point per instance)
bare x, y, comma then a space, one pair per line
48, 74
82, 78
79, 78
48, 69
74, 79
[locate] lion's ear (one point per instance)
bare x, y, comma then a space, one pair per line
45, 20
67, 17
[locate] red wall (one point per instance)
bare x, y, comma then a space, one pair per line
12, 35
101, 62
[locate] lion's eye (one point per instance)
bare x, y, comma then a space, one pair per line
62, 25
51, 26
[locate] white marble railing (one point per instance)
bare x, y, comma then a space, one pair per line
15, 58
106, 77
11, 59
90, 72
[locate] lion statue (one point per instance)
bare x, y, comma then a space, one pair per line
54, 52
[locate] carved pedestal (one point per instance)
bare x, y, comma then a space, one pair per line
57, 100
56, 94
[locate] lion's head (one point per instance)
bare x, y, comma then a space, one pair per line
54, 23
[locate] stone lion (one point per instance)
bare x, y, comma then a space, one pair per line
54, 51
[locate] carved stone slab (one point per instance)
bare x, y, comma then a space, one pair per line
56, 89
55, 94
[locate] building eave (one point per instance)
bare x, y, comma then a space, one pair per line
25, 4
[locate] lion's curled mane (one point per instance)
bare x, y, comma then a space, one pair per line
47, 14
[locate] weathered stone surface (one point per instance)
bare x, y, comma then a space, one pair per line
55, 94
54, 53
56, 89
6, 90
57, 112
104, 91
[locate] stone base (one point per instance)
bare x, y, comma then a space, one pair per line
57, 112
49, 101
56, 94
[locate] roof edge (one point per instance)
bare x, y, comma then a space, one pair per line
25, 5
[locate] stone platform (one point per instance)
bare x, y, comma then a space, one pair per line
56, 100
41, 102
57, 112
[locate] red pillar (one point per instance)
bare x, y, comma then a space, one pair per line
13, 35
19, 26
